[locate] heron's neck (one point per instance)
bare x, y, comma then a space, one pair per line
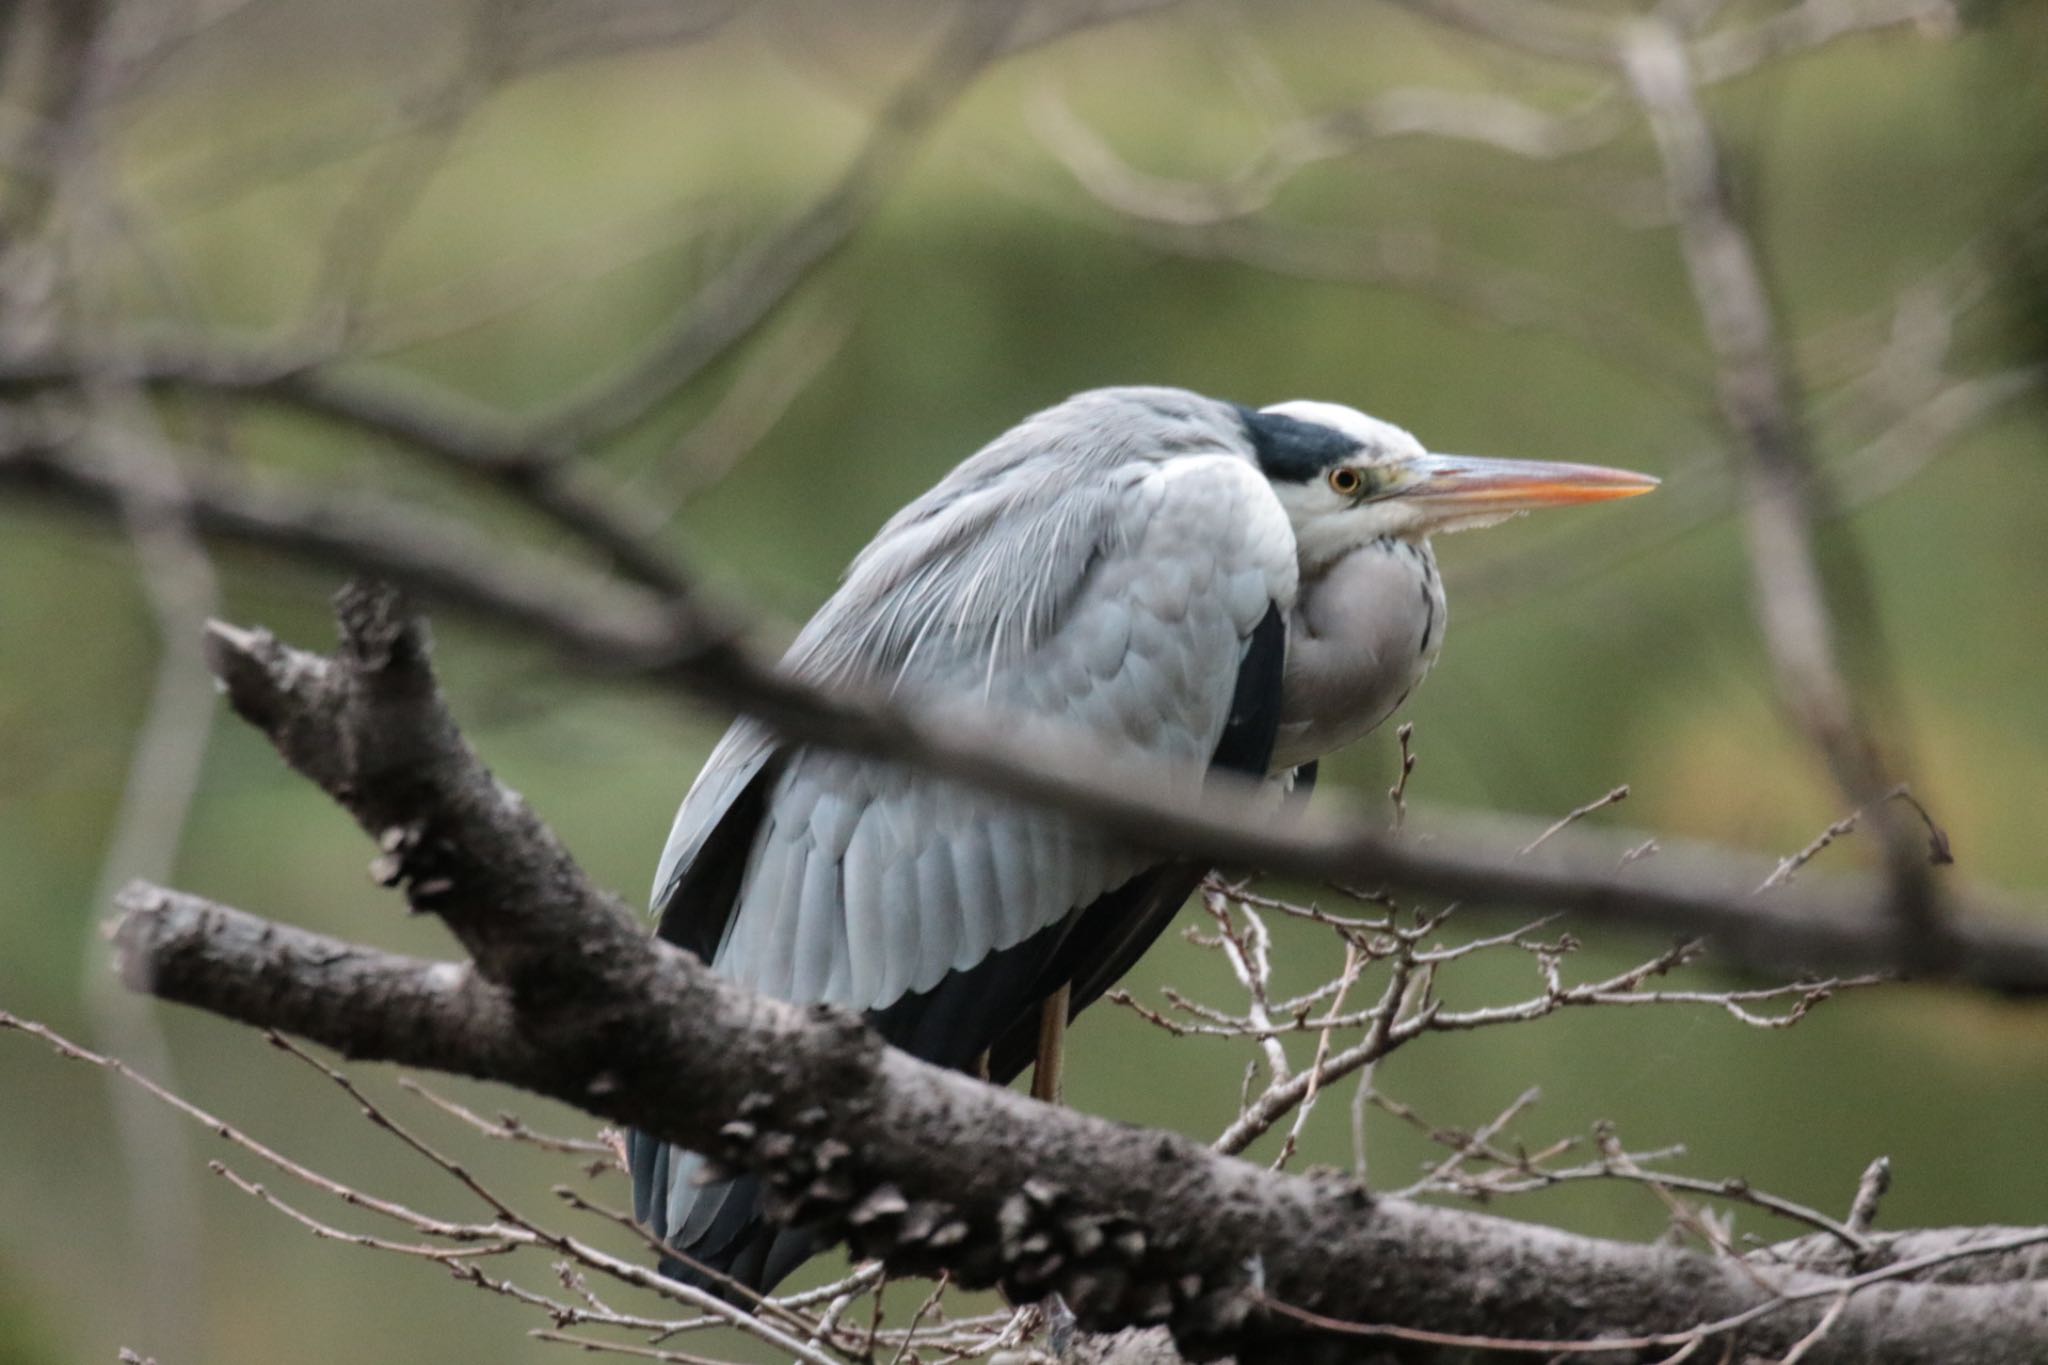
1364, 631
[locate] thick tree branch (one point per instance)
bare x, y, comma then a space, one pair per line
924, 1168
931, 1170
368, 727
330, 988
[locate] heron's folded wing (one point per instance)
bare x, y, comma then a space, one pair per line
865, 881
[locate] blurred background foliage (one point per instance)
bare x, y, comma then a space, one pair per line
1586, 650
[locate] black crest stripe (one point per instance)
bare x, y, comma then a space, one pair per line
1291, 449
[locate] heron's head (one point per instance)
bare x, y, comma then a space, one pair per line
1347, 479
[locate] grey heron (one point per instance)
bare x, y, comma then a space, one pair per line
1216, 588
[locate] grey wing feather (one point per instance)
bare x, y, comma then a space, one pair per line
866, 880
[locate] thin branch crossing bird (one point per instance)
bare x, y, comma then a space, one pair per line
1192, 584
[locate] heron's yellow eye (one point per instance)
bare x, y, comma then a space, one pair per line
1347, 481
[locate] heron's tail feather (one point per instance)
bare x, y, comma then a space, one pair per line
714, 1227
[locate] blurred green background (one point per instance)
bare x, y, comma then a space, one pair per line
1585, 650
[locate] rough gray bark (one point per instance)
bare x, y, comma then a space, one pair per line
567, 996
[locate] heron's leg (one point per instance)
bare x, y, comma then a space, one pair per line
1052, 1045
981, 1065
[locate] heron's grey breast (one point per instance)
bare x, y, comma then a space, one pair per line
1362, 634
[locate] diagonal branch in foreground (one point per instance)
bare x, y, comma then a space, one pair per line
930, 1170
1831, 925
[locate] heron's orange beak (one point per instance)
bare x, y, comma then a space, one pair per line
1461, 484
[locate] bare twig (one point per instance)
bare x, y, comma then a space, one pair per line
327, 1231
1938, 851
1398, 793
1619, 794
1870, 1190
64, 1047
507, 1231
1789, 867
508, 1127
